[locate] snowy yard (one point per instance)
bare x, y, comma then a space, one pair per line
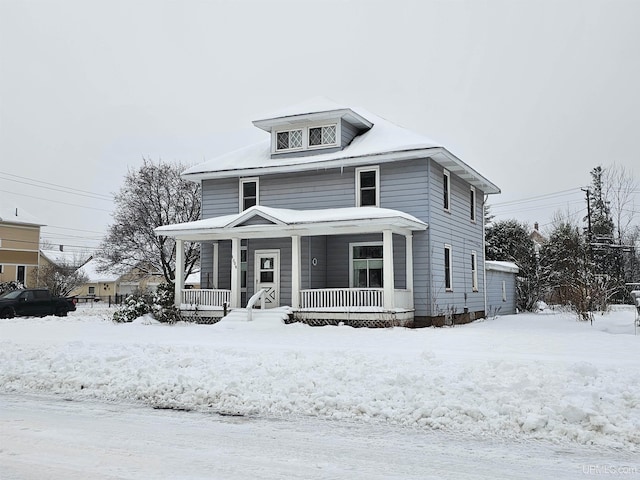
529, 376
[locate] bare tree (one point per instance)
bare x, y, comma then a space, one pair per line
152, 196
619, 191
60, 279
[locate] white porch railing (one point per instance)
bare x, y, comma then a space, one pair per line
341, 297
206, 297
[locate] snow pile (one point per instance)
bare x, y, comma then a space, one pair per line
542, 376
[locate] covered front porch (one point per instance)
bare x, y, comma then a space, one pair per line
350, 265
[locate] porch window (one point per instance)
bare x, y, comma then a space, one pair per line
448, 269
366, 265
243, 269
367, 187
249, 193
446, 189
474, 272
472, 203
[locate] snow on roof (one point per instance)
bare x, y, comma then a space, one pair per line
311, 105
297, 218
498, 266
75, 259
92, 269
13, 214
385, 141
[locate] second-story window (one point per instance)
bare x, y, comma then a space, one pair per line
249, 193
472, 203
446, 189
367, 187
289, 140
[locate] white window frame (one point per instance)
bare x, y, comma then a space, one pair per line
362, 244
473, 203
359, 170
241, 190
446, 190
504, 291
448, 255
322, 145
474, 271
305, 138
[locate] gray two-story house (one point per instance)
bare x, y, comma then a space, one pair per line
342, 216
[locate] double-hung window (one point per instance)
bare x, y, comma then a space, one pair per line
366, 265
474, 271
249, 193
472, 203
367, 187
446, 189
448, 269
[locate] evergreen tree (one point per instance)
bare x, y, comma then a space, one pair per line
509, 240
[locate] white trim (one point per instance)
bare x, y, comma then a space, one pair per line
179, 273
446, 198
388, 283
362, 244
275, 253
474, 271
296, 271
448, 255
274, 140
216, 263
236, 299
241, 191
323, 145
473, 203
359, 170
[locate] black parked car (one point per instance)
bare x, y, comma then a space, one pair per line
34, 302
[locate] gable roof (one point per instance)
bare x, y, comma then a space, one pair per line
383, 142
282, 222
66, 259
93, 270
18, 216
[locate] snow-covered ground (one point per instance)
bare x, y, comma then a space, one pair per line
526, 377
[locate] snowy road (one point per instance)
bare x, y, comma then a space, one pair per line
50, 438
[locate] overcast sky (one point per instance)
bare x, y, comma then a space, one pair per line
532, 94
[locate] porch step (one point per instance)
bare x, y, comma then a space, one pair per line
275, 315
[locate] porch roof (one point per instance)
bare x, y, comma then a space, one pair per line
267, 222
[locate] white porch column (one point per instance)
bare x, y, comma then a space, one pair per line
179, 279
387, 268
235, 273
215, 265
295, 271
409, 264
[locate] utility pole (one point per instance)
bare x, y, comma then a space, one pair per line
588, 192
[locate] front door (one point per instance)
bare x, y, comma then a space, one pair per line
267, 276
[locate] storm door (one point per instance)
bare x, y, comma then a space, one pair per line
267, 275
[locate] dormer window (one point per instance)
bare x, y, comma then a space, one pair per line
322, 136
307, 138
289, 140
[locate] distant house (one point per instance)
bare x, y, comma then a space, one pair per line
19, 245
61, 258
344, 217
501, 287
114, 281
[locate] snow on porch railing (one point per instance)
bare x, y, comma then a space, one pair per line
341, 297
206, 298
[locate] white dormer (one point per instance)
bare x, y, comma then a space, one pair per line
315, 126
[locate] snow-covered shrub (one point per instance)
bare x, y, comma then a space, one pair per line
9, 286
159, 304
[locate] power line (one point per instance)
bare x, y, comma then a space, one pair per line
545, 196
57, 201
65, 189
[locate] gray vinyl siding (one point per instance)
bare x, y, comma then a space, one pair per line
495, 304
347, 134
413, 186
456, 229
